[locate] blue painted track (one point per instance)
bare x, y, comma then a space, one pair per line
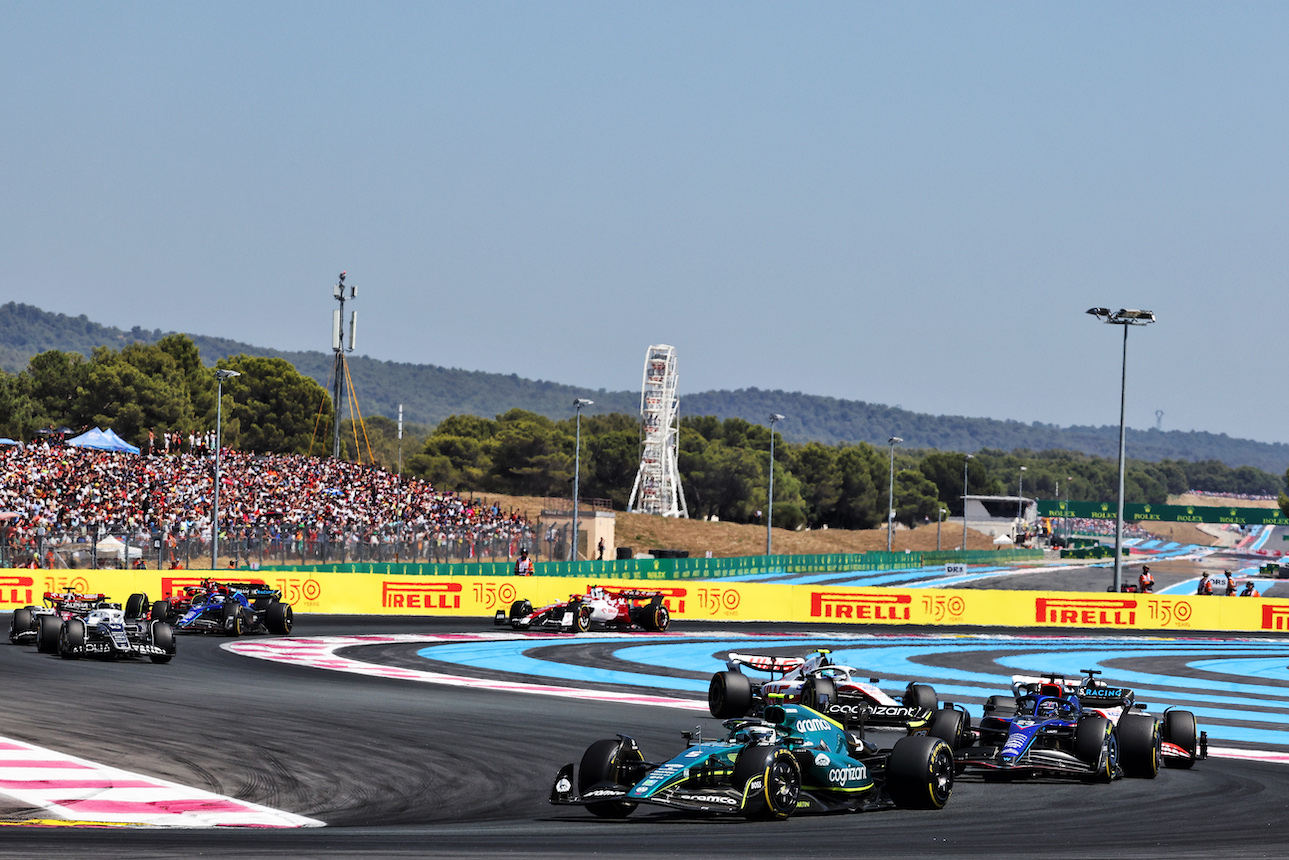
1237, 688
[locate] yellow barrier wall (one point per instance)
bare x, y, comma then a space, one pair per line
377, 594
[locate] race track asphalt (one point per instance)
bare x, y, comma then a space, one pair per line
401, 769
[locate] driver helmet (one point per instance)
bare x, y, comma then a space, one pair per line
754, 734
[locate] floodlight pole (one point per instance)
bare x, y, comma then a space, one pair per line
965, 461
890, 499
1123, 318
769, 511
1020, 501
577, 471
220, 376
939, 522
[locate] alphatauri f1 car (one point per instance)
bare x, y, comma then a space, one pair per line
816, 682
794, 760
40, 624
601, 606
109, 631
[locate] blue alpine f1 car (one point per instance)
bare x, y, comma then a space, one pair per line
795, 759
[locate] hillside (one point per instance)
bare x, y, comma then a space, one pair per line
431, 393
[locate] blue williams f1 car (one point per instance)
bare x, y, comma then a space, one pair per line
1052, 735
794, 760
231, 608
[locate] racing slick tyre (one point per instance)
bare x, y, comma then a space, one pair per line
603, 761
521, 609
772, 779
1179, 729
919, 772
279, 618
72, 636
581, 617
729, 695
134, 605
1139, 745
920, 696
163, 637
47, 633
159, 611
1000, 706
951, 726
655, 617
232, 618
22, 621
818, 693
1095, 743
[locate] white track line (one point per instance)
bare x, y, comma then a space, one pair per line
85, 792
319, 652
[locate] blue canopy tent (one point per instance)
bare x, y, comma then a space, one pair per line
102, 440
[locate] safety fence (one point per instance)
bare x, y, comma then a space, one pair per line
1091, 552
479, 597
665, 568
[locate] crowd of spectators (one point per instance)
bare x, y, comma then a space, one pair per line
52, 496
1099, 528
1241, 496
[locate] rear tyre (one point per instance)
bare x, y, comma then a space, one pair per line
919, 773
818, 693
163, 637
71, 637
1095, 743
655, 617
1002, 707
22, 621
920, 696
1179, 729
134, 605
279, 618
729, 695
47, 633
950, 726
780, 781
604, 761
1139, 745
160, 611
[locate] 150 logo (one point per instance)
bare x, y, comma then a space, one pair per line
65, 583
715, 601
494, 595
298, 591
1167, 613
940, 608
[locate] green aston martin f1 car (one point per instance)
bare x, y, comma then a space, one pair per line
795, 759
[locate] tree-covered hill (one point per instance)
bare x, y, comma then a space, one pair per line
430, 394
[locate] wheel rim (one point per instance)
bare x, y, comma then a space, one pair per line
782, 785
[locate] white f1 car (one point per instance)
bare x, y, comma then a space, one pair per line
610, 608
818, 683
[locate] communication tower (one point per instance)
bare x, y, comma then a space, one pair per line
657, 488
340, 372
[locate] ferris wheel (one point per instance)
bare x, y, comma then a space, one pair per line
657, 487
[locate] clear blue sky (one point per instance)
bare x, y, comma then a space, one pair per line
902, 203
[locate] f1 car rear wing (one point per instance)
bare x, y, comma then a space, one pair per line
764, 662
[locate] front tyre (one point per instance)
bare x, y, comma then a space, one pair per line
921, 696
164, 638
729, 695
919, 773
818, 693
1180, 729
605, 761
1139, 740
71, 638
1095, 744
950, 725
771, 781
